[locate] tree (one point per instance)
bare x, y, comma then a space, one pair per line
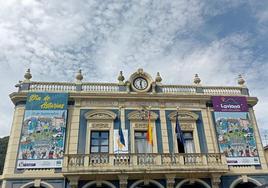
3, 150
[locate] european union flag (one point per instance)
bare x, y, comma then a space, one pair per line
121, 135
179, 134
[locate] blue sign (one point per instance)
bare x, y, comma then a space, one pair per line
47, 101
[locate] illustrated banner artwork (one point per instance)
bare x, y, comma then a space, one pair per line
118, 147
43, 131
235, 131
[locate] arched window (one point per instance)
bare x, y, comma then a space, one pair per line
150, 184
246, 185
194, 185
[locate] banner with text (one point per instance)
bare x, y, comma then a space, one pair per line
235, 131
43, 131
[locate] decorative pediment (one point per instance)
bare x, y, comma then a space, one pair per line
100, 115
183, 116
137, 115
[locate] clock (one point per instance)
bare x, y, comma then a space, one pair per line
140, 83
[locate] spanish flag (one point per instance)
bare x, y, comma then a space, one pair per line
149, 135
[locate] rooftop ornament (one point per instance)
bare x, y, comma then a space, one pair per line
241, 81
27, 76
121, 78
158, 78
140, 71
79, 77
197, 80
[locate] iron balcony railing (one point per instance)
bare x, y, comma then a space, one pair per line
129, 161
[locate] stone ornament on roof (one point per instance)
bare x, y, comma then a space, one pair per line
197, 80
158, 78
241, 81
121, 78
28, 76
79, 77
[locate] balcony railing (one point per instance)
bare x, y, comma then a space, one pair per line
116, 88
151, 161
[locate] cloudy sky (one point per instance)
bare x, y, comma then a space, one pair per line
216, 39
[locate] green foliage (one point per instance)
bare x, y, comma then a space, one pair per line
3, 150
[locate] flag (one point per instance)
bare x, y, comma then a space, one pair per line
179, 134
121, 136
149, 135
121, 139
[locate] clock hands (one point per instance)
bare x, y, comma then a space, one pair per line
141, 84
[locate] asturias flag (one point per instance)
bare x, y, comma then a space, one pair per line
121, 137
149, 135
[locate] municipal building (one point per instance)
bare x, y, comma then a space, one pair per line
135, 133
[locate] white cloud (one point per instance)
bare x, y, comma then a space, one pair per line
56, 39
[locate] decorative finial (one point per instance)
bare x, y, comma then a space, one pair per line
197, 80
158, 77
28, 76
140, 71
240, 80
79, 77
177, 108
121, 78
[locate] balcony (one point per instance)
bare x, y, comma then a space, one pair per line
139, 163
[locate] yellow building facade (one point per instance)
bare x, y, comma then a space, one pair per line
93, 154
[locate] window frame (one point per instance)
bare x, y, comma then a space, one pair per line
99, 139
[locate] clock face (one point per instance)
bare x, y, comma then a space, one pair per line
140, 83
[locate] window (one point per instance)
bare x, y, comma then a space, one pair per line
99, 142
141, 144
189, 142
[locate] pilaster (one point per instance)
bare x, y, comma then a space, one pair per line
170, 180
73, 125
73, 181
164, 130
215, 180
208, 128
258, 139
14, 140
123, 181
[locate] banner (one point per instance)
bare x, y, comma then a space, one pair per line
43, 131
229, 104
235, 131
118, 147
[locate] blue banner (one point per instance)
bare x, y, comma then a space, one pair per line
47, 101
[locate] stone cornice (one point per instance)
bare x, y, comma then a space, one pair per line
21, 96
